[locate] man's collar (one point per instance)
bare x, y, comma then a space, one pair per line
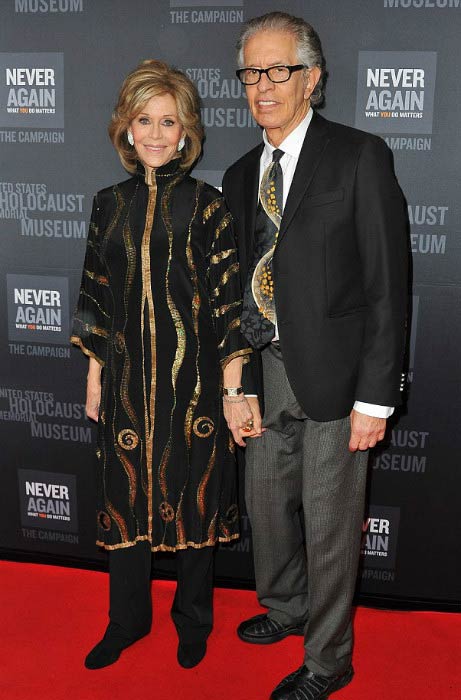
292, 144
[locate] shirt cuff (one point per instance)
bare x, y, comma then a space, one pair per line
372, 409
251, 396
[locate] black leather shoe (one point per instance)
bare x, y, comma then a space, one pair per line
303, 684
108, 650
261, 629
190, 655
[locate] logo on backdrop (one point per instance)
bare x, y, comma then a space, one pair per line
420, 4
186, 11
38, 308
47, 415
32, 90
407, 453
395, 91
48, 6
379, 538
223, 98
41, 213
31, 97
48, 500
424, 218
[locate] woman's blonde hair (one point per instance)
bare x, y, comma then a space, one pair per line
150, 79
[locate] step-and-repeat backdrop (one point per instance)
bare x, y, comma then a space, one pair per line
394, 71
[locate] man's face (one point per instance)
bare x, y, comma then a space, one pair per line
278, 107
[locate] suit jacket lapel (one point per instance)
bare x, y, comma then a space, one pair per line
311, 153
251, 187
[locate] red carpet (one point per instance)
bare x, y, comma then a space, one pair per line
52, 616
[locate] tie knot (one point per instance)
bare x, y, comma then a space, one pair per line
276, 155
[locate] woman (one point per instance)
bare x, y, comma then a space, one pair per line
159, 309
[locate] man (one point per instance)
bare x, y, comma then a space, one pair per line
321, 228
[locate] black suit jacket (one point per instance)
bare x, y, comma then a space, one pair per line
340, 269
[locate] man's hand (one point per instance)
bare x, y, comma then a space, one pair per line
366, 431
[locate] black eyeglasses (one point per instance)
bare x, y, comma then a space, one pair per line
276, 74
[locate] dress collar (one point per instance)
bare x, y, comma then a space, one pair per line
168, 170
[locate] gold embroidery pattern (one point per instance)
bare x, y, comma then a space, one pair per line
238, 353
215, 259
166, 547
196, 302
212, 528
119, 521
147, 300
201, 505
119, 342
211, 208
235, 323
127, 439
88, 296
104, 520
203, 427
120, 203
92, 329
130, 472
231, 270
225, 221
226, 307
180, 333
100, 279
129, 277
166, 512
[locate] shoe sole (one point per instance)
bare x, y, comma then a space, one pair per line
273, 638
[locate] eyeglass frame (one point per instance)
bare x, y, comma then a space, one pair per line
291, 69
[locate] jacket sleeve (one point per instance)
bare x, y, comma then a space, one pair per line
92, 318
224, 282
382, 236
251, 371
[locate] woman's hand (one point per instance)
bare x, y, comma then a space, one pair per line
238, 415
93, 390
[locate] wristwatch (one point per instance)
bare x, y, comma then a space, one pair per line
232, 391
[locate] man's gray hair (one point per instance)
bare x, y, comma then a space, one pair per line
309, 48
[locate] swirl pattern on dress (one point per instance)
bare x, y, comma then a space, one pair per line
203, 427
127, 439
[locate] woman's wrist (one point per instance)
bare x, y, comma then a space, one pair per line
234, 399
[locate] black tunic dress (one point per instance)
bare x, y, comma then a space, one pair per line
159, 308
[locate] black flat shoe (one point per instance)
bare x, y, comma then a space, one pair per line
190, 655
261, 629
108, 650
303, 684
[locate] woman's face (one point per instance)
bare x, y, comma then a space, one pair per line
157, 131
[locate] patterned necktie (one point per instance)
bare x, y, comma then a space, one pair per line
258, 314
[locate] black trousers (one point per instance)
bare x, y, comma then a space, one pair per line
130, 596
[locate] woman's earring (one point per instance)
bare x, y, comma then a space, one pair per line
130, 138
181, 143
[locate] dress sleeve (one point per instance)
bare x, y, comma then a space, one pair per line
224, 282
92, 318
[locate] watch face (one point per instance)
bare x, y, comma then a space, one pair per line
233, 391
